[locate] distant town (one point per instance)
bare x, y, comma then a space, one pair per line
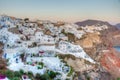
56, 50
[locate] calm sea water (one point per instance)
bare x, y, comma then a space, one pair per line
117, 48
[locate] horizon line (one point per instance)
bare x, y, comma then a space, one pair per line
54, 19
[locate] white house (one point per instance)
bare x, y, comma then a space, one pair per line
12, 39
26, 43
63, 46
44, 39
11, 54
38, 36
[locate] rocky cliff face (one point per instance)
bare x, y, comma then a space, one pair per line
91, 43
111, 36
97, 46
88, 40
111, 62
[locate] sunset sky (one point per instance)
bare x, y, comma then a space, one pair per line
67, 10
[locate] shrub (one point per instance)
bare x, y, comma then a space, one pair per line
118, 78
88, 78
38, 76
15, 78
45, 77
21, 71
17, 74
41, 63
71, 72
39, 67
52, 74
67, 79
30, 74
9, 74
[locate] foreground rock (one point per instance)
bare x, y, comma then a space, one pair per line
2, 61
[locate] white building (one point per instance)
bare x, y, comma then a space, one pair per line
76, 50
63, 37
11, 54
44, 39
27, 30
8, 37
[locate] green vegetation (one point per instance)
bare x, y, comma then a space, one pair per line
67, 79
9, 74
33, 55
21, 71
118, 78
70, 72
42, 77
17, 74
38, 76
30, 74
45, 77
40, 65
88, 78
49, 75
52, 74
15, 78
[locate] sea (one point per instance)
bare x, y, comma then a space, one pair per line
117, 48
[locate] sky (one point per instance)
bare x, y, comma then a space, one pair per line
63, 10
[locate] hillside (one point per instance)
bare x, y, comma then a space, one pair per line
92, 22
72, 49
